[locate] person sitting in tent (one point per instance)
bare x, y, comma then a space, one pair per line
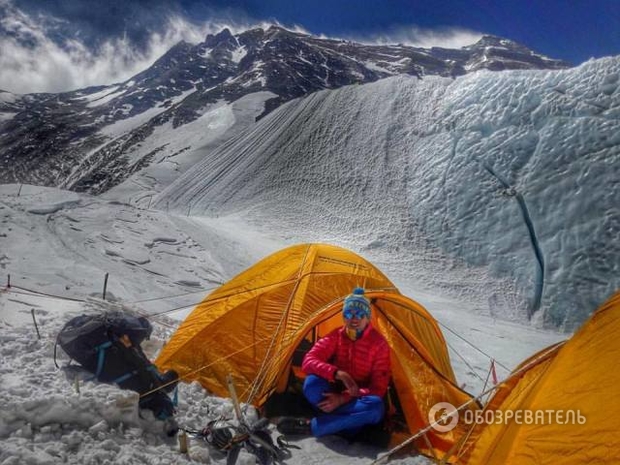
348, 375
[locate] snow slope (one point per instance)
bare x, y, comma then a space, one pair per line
510, 178
60, 244
173, 149
88, 237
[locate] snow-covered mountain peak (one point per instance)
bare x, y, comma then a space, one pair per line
222, 37
494, 41
189, 79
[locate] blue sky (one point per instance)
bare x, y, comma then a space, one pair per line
573, 30
113, 39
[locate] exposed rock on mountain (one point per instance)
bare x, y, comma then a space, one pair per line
92, 139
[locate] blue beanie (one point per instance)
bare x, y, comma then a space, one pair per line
357, 302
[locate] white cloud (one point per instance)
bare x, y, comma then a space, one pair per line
426, 38
32, 62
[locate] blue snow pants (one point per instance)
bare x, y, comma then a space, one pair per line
348, 418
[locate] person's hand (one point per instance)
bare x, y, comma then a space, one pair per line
331, 401
348, 382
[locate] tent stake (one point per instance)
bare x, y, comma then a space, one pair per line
183, 443
35, 323
233, 396
105, 285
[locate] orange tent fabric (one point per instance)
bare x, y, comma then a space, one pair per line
571, 390
251, 326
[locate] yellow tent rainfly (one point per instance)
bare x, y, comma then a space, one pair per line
254, 326
567, 396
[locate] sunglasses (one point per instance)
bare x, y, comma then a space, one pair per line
359, 314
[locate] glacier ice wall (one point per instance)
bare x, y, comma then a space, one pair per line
514, 176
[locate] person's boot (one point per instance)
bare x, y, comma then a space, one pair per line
294, 426
170, 427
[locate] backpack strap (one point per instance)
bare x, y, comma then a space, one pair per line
175, 393
100, 349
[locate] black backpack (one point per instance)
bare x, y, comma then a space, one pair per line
98, 343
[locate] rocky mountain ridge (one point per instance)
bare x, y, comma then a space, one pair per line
63, 140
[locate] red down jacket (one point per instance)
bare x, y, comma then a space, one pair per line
367, 359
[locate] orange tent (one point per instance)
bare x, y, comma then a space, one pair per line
251, 327
566, 399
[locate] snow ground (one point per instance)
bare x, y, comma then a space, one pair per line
59, 243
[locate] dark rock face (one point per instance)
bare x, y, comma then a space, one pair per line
43, 137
